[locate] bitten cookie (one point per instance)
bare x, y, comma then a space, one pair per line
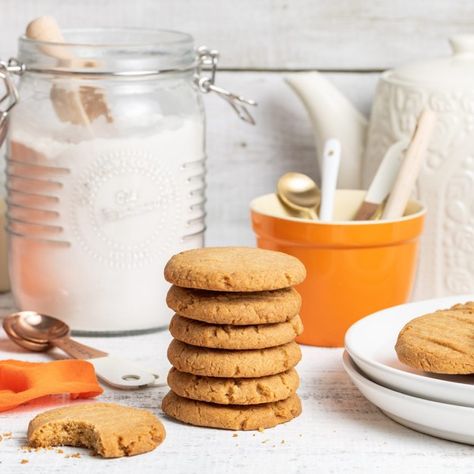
235, 364
231, 417
238, 308
440, 342
226, 336
227, 391
110, 430
234, 269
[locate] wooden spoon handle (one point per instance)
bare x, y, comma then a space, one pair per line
410, 168
366, 211
46, 29
67, 100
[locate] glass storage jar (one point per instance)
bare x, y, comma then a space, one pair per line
105, 173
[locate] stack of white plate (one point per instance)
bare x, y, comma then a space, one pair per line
439, 405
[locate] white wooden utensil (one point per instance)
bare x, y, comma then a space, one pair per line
383, 181
330, 162
410, 167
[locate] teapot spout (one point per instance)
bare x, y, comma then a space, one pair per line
333, 116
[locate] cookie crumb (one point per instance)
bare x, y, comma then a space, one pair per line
265, 441
24, 461
261, 430
75, 456
235, 435
60, 451
282, 441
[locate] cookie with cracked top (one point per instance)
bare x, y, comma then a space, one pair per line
234, 269
231, 417
230, 363
226, 336
227, 391
236, 308
440, 342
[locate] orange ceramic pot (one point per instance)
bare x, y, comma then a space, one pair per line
354, 268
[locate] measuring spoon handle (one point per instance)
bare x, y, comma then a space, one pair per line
75, 349
114, 371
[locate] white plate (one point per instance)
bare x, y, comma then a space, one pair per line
436, 419
371, 344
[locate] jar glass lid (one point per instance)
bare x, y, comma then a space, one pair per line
119, 51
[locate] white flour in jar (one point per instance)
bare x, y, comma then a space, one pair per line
93, 223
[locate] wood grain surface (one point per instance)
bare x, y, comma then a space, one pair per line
272, 34
353, 40
351, 37
338, 432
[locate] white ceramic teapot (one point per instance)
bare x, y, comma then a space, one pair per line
446, 184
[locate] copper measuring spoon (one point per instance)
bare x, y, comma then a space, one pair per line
39, 332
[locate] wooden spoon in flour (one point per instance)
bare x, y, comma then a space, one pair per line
79, 105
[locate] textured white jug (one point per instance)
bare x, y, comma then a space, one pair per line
446, 184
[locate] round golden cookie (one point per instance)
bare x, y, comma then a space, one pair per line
231, 417
440, 342
227, 391
109, 429
238, 308
225, 336
235, 364
234, 269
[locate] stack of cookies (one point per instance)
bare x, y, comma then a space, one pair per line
234, 352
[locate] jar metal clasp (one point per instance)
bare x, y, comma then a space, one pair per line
207, 60
10, 95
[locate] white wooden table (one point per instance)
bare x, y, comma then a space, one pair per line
339, 431
349, 41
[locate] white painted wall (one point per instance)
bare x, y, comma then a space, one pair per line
259, 40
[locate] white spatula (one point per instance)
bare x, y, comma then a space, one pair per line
330, 162
382, 182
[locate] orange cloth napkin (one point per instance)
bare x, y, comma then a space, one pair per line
21, 382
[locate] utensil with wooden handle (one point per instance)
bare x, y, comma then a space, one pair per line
330, 162
410, 167
382, 183
73, 104
38, 332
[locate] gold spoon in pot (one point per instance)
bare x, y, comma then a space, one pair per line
300, 193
